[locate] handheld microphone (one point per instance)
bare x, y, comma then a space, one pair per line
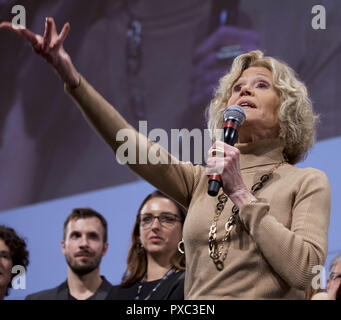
234, 116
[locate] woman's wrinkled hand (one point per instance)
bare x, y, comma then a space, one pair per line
227, 164
50, 47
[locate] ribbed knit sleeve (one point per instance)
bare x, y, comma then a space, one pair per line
292, 252
146, 158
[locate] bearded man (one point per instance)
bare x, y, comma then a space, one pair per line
84, 244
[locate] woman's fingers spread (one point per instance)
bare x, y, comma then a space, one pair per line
34, 39
38, 46
29, 36
63, 34
53, 26
10, 26
54, 34
13, 28
5, 25
47, 34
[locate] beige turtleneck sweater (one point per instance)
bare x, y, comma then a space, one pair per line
275, 243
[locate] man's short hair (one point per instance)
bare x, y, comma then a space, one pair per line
17, 248
85, 213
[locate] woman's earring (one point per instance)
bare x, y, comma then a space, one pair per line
181, 246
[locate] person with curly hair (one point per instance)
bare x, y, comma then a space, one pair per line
12, 253
261, 236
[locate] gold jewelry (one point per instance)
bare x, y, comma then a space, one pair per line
181, 246
216, 251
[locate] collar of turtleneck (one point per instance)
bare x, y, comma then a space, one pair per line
260, 153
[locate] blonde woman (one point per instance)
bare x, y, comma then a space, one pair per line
268, 227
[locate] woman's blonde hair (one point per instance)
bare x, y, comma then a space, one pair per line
297, 119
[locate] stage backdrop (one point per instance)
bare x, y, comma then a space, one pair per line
157, 61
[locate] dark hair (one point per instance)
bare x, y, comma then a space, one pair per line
17, 248
137, 258
338, 293
84, 213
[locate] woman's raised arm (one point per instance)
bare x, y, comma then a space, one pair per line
50, 47
145, 157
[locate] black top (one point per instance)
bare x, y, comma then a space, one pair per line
62, 292
170, 289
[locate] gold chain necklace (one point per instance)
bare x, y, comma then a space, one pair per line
215, 250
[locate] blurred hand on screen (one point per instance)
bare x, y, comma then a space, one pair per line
213, 59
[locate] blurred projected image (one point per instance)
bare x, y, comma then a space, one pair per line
157, 61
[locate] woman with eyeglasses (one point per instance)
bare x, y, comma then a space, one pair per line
156, 260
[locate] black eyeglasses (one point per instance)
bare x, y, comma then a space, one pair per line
335, 275
166, 219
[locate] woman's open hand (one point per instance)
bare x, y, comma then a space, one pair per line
50, 47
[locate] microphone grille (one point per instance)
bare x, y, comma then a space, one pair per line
235, 112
